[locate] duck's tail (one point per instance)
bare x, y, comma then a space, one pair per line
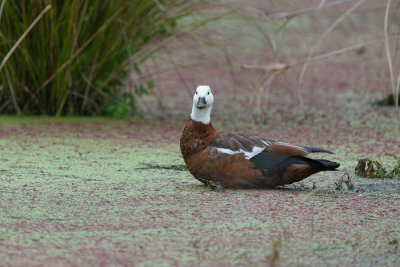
316, 150
328, 165
295, 169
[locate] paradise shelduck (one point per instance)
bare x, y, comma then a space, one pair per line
237, 160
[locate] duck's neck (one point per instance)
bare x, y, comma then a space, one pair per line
201, 115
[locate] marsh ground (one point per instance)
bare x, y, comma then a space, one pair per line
100, 192
113, 192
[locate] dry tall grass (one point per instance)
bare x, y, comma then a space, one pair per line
259, 49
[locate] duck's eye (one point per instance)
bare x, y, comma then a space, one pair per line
208, 93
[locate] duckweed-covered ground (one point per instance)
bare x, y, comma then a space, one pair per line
100, 192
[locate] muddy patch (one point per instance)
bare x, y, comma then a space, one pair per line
381, 187
174, 167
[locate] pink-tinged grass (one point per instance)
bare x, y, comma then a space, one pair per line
112, 192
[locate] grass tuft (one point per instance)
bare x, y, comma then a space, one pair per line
72, 59
374, 168
273, 258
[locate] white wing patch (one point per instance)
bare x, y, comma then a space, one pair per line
247, 154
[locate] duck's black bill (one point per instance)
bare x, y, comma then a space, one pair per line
201, 103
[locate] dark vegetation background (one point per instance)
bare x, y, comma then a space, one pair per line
84, 57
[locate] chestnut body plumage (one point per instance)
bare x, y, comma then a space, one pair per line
237, 160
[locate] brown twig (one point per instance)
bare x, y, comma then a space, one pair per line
322, 37
131, 80
270, 67
276, 66
158, 93
398, 89
259, 85
287, 15
321, 5
389, 57
188, 89
345, 50
265, 81
267, 86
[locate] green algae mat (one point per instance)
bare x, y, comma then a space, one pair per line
99, 192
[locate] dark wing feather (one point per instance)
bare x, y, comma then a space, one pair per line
315, 150
267, 160
238, 141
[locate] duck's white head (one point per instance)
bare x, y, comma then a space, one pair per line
203, 100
